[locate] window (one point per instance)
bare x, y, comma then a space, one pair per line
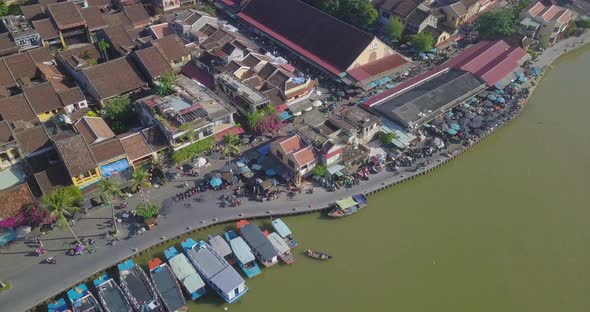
279, 155
291, 163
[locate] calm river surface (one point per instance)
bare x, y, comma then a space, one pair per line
506, 227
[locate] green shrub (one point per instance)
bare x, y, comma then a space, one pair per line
193, 149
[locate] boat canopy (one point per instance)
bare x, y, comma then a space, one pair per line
186, 273
278, 243
346, 203
360, 198
281, 228
241, 250
220, 245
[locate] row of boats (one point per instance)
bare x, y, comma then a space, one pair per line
200, 264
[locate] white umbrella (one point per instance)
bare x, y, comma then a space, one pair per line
201, 162
307, 109
317, 103
318, 92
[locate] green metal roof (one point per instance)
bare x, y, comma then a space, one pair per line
346, 203
186, 273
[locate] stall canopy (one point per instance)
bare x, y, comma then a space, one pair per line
215, 182
114, 168
286, 115
346, 203
270, 172
264, 150
335, 170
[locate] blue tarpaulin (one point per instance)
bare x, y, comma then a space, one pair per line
285, 115
215, 182
264, 150
114, 168
270, 172
451, 131
455, 126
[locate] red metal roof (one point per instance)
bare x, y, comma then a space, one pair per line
377, 67
235, 130
291, 44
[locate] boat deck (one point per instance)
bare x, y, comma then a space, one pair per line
165, 282
111, 296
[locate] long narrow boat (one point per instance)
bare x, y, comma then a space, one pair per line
138, 288
60, 305
348, 206
167, 286
317, 255
262, 249
222, 248
283, 230
281, 247
82, 300
216, 272
185, 272
111, 296
244, 255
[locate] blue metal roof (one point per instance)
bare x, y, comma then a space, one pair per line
281, 228
58, 306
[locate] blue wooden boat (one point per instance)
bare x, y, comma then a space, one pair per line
216, 272
138, 287
167, 286
185, 272
348, 206
111, 296
283, 230
58, 306
82, 300
243, 253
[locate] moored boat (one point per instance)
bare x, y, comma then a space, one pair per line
281, 247
167, 286
261, 247
216, 272
283, 230
110, 295
244, 255
348, 206
185, 272
59, 305
317, 255
222, 248
138, 287
82, 300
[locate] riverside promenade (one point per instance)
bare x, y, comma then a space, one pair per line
33, 282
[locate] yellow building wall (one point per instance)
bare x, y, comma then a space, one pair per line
374, 51
94, 175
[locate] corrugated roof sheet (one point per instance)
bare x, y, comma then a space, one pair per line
281, 227
346, 203
220, 245
241, 250
186, 273
259, 243
278, 243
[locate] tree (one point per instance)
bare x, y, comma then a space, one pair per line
165, 84
583, 23
253, 119
230, 147
119, 114
103, 46
147, 210
520, 6
497, 23
395, 28
359, 13
320, 170
3, 8
422, 41
386, 138
62, 204
543, 42
140, 180
111, 190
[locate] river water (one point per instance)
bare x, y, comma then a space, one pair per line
505, 227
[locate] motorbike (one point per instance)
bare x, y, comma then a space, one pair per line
50, 260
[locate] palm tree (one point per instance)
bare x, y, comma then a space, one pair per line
111, 190
140, 179
230, 142
103, 46
61, 205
